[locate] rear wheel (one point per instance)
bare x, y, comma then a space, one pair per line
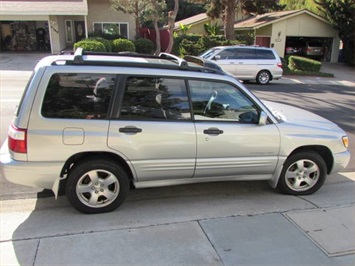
302, 174
97, 186
263, 77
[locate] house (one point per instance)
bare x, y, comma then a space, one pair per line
277, 29
56, 25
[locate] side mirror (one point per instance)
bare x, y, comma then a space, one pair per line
262, 119
217, 57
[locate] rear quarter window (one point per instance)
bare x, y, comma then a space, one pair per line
78, 96
265, 54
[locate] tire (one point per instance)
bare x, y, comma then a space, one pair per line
97, 186
303, 174
263, 77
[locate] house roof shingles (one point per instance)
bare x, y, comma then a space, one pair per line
268, 18
41, 7
191, 20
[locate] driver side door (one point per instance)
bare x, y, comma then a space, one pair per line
230, 142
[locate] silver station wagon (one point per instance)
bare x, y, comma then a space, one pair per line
96, 124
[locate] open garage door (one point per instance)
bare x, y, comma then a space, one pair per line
318, 48
26, 36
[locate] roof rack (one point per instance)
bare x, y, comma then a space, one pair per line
182, 64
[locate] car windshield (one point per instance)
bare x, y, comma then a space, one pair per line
209, 52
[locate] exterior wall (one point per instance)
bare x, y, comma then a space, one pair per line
198, 27
101, 11
24, 17
264, 31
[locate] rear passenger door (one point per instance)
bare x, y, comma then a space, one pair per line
246, 63
152, 128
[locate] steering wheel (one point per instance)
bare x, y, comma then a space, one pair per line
210, 101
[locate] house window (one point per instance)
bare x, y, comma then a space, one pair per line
111, 28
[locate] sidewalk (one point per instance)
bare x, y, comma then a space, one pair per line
236, 223
344, 75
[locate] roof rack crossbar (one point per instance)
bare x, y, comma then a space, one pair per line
182, 62
78, 56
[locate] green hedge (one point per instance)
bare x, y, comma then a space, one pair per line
90, 45
297, 63
144, 46
123, 45
195, 44
104, 41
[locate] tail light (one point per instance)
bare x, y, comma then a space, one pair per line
17, 139
279, 65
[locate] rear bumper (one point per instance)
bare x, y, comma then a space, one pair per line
341, 160
34, 174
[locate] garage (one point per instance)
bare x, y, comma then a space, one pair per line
28, 26
24, 36
293, 32
312, 47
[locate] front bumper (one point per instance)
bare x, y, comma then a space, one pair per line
341, 160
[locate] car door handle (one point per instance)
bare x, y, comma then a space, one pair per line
213, 131
130, 129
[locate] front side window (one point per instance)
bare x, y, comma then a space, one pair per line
148, 98
227, 54
221, 102
78, 96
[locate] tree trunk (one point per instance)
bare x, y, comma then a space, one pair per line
171, 22
136, 14
229, 20
157, 37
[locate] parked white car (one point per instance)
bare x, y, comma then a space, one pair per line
247, 62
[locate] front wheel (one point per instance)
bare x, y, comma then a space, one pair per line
97, 186
302, 174
263, 77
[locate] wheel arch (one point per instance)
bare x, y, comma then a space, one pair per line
73, 160
264, 70
323, 151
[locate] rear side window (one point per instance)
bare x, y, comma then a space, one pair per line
265, 54
78, 96
245, 53
148, 98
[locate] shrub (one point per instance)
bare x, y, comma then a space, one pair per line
123, 45
106, 36
144, 46
194, 44
104, 41
90, 45
297, 63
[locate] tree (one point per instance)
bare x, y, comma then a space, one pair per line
171, 22
134, 7
341, 14
261, 6
300, 4
226, 9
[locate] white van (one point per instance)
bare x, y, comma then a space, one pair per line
247, 62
